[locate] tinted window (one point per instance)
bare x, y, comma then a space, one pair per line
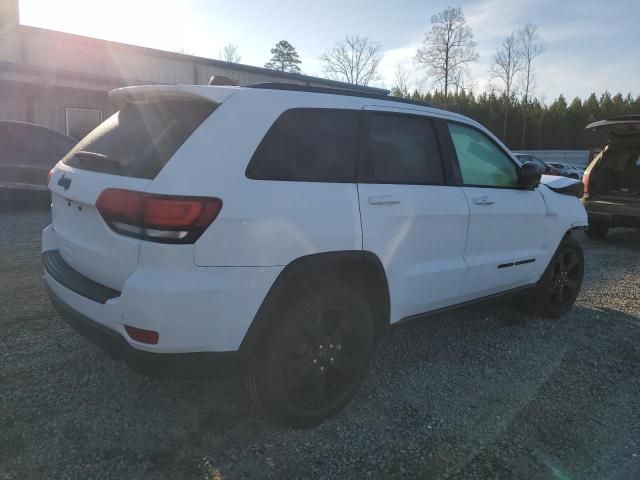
401, 149
308, 144
481, 161
13, 137
48, 142
139, 140
27, 138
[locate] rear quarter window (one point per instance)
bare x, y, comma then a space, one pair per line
308, 144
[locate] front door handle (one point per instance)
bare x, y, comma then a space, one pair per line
383, 200
484, 200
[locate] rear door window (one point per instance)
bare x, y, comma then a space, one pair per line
139, 140
308, 144
400, 149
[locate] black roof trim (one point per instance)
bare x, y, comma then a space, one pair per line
623, 118
335, 91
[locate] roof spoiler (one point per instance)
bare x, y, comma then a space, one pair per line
153, 93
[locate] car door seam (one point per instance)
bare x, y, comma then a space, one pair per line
360, 216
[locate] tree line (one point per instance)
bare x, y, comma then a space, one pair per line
559, 125
509, 107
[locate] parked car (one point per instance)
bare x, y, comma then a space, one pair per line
575, 172
612, 180
549, 169
283, 228
27, 153
567, 170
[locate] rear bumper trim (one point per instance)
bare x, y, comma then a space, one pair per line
197, 365
62, 272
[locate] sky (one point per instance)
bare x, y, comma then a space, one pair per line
589, 46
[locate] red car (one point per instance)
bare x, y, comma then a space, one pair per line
612, 180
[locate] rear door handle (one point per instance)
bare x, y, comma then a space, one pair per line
383, 200
484, 200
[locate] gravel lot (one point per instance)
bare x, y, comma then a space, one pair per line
479, 393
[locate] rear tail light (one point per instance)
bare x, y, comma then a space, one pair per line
157, 218
143, 336
585, 183
49, 176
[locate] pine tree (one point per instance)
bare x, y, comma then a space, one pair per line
558, 125
285, 58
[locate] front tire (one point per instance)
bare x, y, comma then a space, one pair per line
315, 357
597, 229
561, 281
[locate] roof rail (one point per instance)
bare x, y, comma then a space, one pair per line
632, 117
334, 91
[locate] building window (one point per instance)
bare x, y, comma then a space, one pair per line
80, 121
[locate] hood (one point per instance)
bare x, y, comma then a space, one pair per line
618, 128
564, 185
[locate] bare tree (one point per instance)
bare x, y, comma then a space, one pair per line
461, 81
447, 49
354, 60
229, 53
401, 82
507, 63
531, 48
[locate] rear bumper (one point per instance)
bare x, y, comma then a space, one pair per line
616, 213
193, 309
177, 365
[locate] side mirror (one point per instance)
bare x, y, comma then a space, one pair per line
529, 175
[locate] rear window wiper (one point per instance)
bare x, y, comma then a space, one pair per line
84, 155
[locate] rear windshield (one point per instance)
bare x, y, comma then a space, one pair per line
139, 140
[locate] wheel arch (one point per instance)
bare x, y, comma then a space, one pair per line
359, 269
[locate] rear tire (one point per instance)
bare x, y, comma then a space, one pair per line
597, 229
314, 357
560, 284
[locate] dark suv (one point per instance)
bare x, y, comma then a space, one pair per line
612, 180
27, 153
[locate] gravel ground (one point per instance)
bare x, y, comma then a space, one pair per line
479, 393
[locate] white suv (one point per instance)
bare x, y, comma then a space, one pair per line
283, 228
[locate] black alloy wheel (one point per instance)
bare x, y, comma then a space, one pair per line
562, 280
323, 358
316, 356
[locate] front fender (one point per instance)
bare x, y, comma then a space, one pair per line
567, 208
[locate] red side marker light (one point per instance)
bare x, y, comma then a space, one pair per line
143, 336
